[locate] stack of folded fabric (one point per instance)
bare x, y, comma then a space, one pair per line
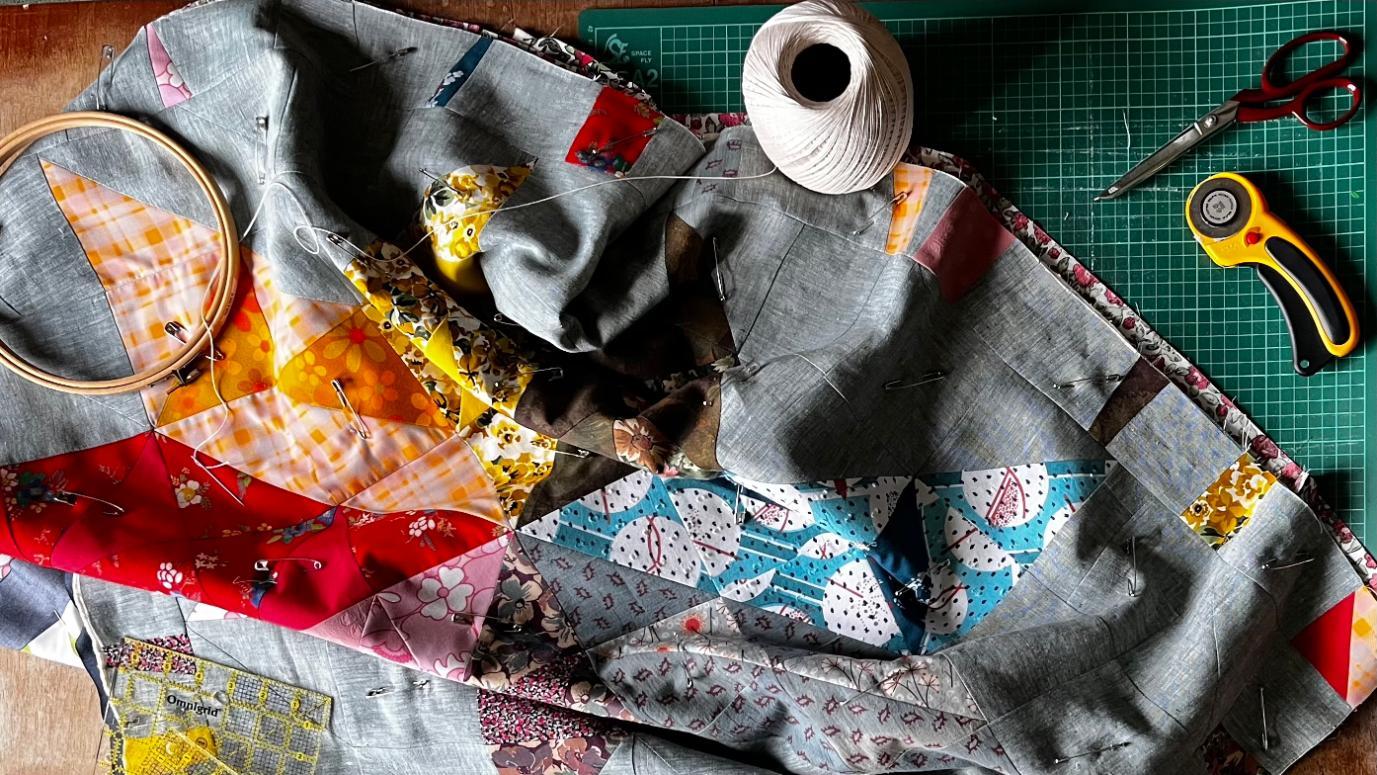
529, 475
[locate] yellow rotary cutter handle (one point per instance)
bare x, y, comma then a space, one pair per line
1230, 219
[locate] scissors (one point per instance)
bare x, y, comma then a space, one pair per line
1251, 105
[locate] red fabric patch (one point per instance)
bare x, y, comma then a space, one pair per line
1324, 644
963, 246
392, 547
181, 532
616, 132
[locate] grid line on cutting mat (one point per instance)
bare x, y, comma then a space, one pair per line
1053, 106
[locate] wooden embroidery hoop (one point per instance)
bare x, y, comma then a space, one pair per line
219, 296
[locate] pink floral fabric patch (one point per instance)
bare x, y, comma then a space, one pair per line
430, 621
532, 737
171, 87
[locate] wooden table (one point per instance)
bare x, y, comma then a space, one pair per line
49, 719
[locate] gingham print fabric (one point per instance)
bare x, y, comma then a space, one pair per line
430, 482
124, 238
911, 188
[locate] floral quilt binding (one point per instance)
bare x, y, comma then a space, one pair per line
1158, 350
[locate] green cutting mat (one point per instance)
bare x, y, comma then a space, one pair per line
1053, 102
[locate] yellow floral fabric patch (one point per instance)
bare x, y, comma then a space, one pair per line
516, 457
481, 360
458, 382
454, 213
1228, 504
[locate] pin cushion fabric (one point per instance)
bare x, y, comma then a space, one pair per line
870, 483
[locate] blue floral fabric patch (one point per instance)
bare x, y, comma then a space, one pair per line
459, 74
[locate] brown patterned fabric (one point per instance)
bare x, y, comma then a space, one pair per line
650, 398
1142, 383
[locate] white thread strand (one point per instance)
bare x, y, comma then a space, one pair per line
198, 450
610, 181
845, 144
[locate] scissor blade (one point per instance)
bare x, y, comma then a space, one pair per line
1199, 131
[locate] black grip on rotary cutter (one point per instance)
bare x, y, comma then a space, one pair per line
1308, 353
1313, 284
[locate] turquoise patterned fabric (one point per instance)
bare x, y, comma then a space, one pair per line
841, 554
984, 527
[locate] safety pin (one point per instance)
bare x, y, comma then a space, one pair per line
183, 377
177, 331
69, 498
931, 376
647, 133
578, 453
737, 514
379, 691
398, 54
1071, 383
1262, 703
1115, 747
890, 205
1299, 560
269, 580
263, 565
1132, 549
103, 75
558, 372
717, 273
669, 695
502, 320
458, 616
745, 371
335, 239
912, 588
356, 424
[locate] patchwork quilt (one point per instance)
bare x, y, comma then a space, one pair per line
616, 451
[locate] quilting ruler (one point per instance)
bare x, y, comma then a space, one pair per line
178, 715
1052, 102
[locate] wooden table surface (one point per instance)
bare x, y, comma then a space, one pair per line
49, 718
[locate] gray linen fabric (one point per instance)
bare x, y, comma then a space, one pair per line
1126, 644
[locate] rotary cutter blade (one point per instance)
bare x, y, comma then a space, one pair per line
1230, 219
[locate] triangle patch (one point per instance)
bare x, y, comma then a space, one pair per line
123, 237
602, 600
1325, 643
375, 382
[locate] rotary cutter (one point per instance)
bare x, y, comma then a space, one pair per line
1230, 219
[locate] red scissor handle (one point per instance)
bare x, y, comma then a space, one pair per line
1298, 94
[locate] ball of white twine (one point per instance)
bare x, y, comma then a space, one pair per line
846, 143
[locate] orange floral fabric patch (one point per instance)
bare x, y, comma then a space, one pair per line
245, 368
375, 380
